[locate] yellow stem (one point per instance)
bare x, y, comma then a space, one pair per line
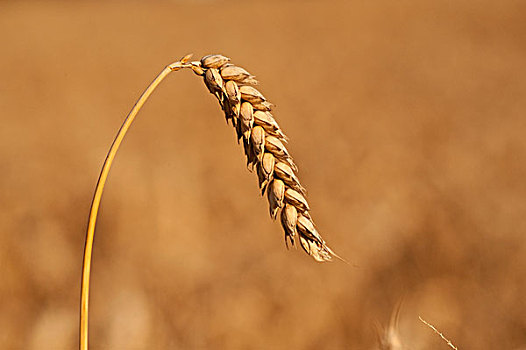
84, 303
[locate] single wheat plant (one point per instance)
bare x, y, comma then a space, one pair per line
264, 144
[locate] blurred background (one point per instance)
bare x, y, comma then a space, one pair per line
407, 120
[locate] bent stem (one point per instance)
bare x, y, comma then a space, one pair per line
84, 303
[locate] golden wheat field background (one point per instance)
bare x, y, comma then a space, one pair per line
407, 120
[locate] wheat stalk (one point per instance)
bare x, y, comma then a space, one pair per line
264, 146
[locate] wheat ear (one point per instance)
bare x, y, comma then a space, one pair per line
264, 145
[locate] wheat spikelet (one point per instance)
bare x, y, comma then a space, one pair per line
264, 146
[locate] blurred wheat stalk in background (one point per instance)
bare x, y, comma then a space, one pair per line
264, 146
437, 332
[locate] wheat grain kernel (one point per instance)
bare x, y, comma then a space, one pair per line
275, 146
263, 106
306, 227
246, 118
275, 193
214, 61
251, 94
257, 139
231, 72
295, 198
213, 80
289, 219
